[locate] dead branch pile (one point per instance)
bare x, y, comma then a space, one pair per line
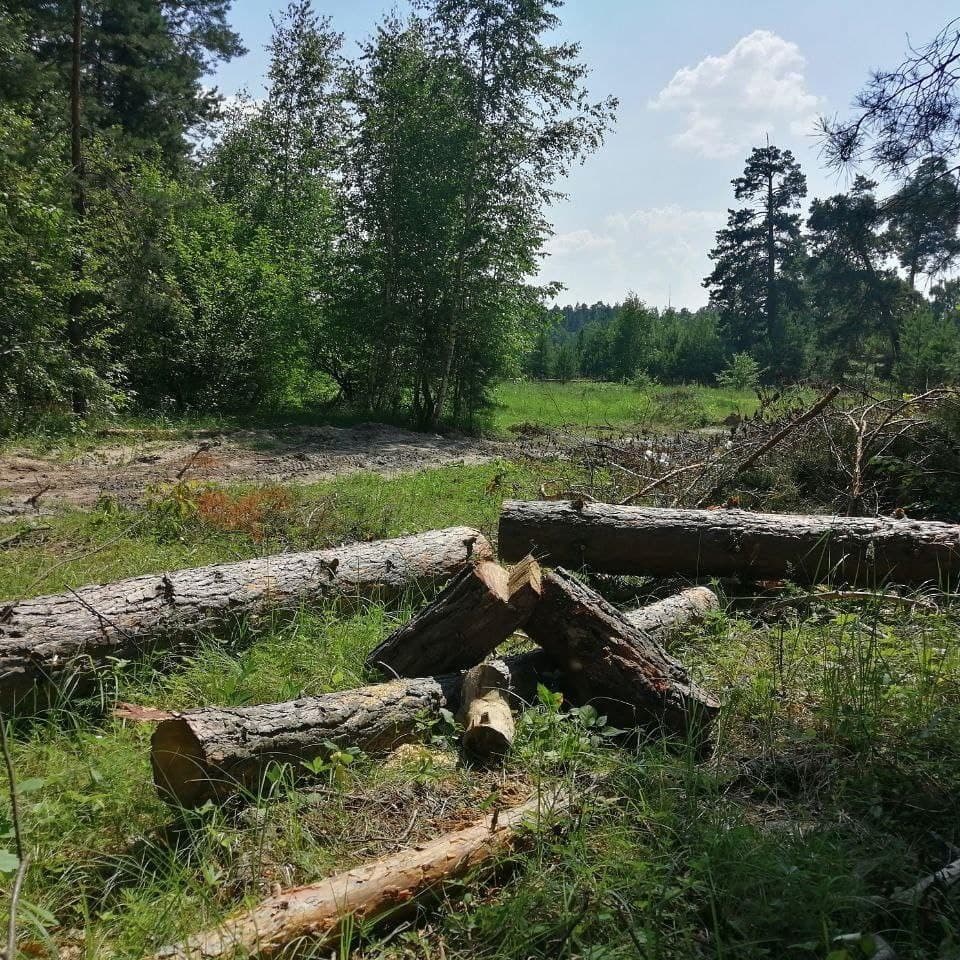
851, 455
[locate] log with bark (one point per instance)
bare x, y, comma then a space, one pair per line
471, 616
731, 543
390, 885
618, 667
674, 614
64, 639
214, 752
488, 727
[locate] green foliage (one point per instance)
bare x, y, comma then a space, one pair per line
741, 373
929, 350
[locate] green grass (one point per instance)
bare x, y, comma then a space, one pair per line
834, 774
110, 543
586, 404
833, 783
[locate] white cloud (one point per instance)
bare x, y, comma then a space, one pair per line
577, 241
660, 253
730, 102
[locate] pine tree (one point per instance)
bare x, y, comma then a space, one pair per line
756, 280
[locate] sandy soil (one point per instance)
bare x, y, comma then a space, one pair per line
124, 468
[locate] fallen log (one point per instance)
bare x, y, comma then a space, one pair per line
488, 727
666, 618
616, 666
731, 543
64, 639
388, 885
470, 617
214, 752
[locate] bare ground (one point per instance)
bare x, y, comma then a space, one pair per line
126, 467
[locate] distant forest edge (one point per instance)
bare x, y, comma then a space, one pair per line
836, 297
369, 232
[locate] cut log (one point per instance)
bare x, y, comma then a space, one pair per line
213, 752
488, 727
731, 543
391, 885
620, 669
472, 615
666, 618
64, 639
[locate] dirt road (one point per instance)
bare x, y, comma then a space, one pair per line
125, 467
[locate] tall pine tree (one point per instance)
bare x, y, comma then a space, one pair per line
756, 280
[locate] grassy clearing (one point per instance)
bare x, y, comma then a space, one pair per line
833, 783
110, 543
587, 404
578, 404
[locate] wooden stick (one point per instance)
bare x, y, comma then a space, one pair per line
389, 885
781, 434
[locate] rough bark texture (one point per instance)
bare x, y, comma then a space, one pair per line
473, 615
365, 893
488, 727
614, 665
213, 752
667, 617
695, 543
65, 638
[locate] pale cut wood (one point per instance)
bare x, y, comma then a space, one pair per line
486, 715
390, 885
469, 618
64, 639
612, 664
214, 752
731, 543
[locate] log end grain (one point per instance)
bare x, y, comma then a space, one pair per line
180, 771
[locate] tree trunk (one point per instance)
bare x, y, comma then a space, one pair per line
67, 637
475, 613
78, 192
731, 543
486, 715
214, 752
607, 661
389, 885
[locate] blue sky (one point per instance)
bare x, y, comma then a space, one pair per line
699, 83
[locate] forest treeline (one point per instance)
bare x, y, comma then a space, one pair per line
367, 229
854, 293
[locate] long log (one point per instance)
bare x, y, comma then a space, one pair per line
388, 885
619, 668
470, 617
731, 543
64, 639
